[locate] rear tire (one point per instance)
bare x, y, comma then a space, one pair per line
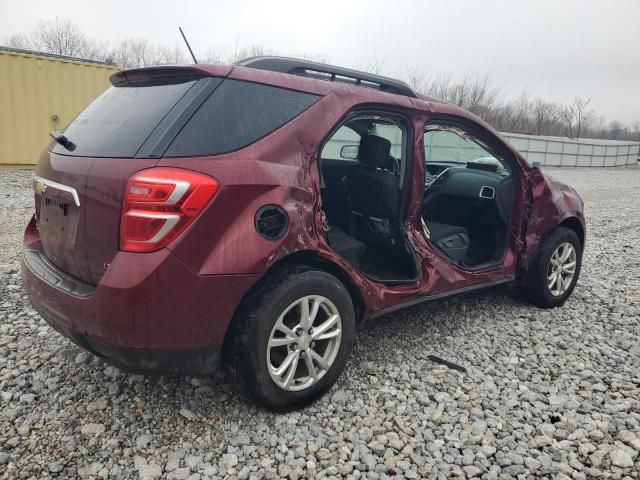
555, 270
291, 338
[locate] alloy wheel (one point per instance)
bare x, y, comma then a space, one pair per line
562, 269
304, 343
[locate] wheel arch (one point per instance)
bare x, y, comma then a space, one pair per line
312, 259
304, 260
573, 223
536, 288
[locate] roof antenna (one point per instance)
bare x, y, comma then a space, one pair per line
188, 46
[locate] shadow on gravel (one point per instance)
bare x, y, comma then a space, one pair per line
443, 317
396, 338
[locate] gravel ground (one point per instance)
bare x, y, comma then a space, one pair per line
548, 393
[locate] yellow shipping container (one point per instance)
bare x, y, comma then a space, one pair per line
41, 93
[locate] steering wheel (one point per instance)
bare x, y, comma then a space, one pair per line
436, 181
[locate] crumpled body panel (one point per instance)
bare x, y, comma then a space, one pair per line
282, 169
553, 202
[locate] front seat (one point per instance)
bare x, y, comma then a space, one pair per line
374, 191
453, 240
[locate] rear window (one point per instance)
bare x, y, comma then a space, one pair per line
118, 122
235, 115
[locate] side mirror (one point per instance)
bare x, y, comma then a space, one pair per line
349, 152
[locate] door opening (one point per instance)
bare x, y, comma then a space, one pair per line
468, 198
362, 167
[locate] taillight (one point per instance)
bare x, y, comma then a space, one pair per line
159, 203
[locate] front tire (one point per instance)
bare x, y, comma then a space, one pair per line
556, 269
291, 338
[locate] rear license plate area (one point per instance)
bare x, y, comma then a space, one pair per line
55, 208
57, 222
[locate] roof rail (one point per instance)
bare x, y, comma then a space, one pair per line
305, 68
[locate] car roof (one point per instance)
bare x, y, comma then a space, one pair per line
359, 92
312, 77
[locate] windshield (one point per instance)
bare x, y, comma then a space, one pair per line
457, 148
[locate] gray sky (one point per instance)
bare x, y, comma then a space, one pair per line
556, 49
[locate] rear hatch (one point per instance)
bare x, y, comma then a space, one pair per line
78, 191
147, 114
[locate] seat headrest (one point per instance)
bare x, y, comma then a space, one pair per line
374, 151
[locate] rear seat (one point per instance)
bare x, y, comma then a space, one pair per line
346, 246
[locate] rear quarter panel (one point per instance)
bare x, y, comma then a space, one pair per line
279, 169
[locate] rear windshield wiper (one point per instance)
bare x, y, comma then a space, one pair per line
62, 140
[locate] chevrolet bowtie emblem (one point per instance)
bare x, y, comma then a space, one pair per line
39, 187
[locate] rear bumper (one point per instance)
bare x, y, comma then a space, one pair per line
149, 313
199, 361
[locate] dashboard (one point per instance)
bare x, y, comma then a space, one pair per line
453, 192
488, 164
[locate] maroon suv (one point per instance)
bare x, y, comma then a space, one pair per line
253, 215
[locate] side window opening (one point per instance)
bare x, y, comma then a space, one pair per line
362, 166
343, 145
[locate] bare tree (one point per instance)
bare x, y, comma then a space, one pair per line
376, 65
423, 81
474, 93
439, 86
417, 79
522, 113
568, 115
251, 51
60, 36
96, 50
20, 40
597, 127
482, 95
132, 52
313, 57
582, 114
137, 52
544, 114
165, 55
574, 116
616, 130
212, 56
635, 126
